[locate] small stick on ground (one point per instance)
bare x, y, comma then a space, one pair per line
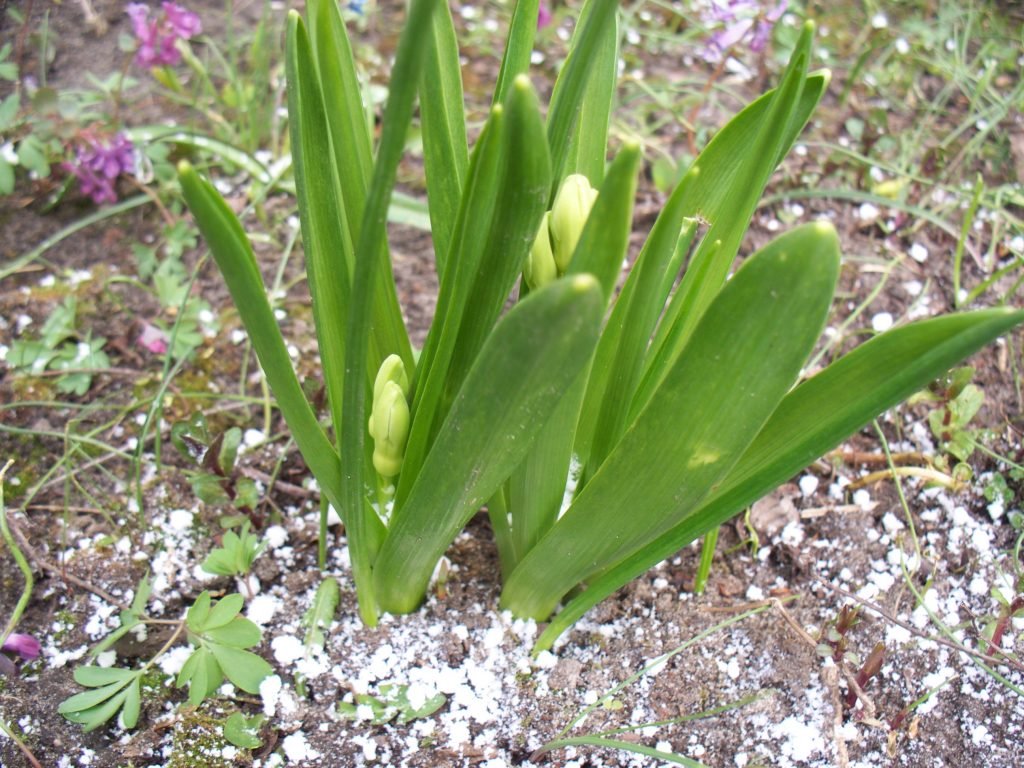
830, 678
62, 573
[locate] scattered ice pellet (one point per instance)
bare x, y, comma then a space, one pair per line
867, 212
882, 322
808, 485
918, 253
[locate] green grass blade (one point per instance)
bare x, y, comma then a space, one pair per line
234, 257
534, 353
445, 148
589, 145
812, 420
748, 351
518, 47
571, 85
326, 242
353, 155
372, 234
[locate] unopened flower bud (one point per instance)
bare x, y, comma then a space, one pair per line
392, 369
540, 268
26, 646
389, 427
568, 216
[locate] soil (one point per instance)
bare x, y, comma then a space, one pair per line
802, 554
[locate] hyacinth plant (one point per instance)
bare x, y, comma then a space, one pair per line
676, 402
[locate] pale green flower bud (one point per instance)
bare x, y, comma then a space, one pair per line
389, 427
540, 266
392, 369
568, 215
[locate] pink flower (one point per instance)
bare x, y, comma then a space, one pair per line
97, 165
157, 37
544, 16
740, 20
152, 339
26, 646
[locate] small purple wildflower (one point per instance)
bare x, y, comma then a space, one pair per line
544, 16
152, 339
98, 164
157, 36
26, 646
740, 20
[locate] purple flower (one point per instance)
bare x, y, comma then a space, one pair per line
544, 16
157, 37
152, 339
740, 20
98, 164
26, 646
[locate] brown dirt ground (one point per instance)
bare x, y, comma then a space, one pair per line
972, 722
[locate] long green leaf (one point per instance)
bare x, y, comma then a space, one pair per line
233, 254
521, 198
471, 231
752, 166
372, 234
619, 357
589, 145
353, 154
571, 85
813, 419
518, 47
326, 241
604, 241
747, 352
445, 148
537, 486
534, 353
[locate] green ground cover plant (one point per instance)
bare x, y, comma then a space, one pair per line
680, 404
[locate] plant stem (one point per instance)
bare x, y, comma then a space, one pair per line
19, 558
707, 555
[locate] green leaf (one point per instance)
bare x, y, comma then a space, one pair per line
326, 232
350, 140
518, 48
745, 355
244, 732
224, 612
591, 37
132, 703
93, 677
32, 156
588, 148
321, 612
246, 670
9, 111
360, 524
86, 700
234, 256
723, 187
534, 353
199, 613
6, 176
471, 230
93, 718
240, 633
813, 419
445, 148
